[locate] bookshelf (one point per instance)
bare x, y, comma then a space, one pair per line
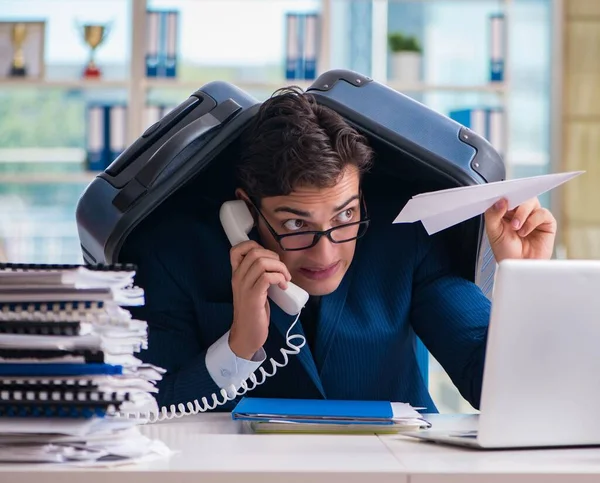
134, 89
496, 87
79, 178
62, 84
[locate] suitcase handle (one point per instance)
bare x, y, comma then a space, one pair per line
169, 151
195, 130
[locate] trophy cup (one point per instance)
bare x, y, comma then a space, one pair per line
18, 36
94, 35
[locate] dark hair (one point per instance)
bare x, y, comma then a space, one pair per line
293, 141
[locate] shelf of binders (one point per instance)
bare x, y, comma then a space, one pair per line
83, 178
176, 84
494, 87
64, 83
169, 83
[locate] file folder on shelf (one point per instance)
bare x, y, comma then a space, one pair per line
318, 415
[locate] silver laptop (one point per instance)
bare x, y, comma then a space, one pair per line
541, 383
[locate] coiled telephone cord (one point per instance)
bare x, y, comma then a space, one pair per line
195, 407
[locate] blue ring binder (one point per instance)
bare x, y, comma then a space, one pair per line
59, 369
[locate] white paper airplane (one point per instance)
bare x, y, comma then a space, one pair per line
438, 210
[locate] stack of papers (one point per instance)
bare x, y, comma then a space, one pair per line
94, 441
330, 416
68, 365
20, 282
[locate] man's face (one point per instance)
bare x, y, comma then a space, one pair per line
319, 269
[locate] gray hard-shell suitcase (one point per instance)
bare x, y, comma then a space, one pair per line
411, 141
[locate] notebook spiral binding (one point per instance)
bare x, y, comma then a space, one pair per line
51, 307
89, 355
15, 394
52, 409
97, 316
45, 267
46, 382
38, 400
196, 407
38, 327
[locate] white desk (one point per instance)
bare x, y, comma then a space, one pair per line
427, 462
213, 448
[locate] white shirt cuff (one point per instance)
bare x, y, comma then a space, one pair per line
226, 368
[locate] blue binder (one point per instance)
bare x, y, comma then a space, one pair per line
59, 369
324, 411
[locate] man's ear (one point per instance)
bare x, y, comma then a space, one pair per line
240, 194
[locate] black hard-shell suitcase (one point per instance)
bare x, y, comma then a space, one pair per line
198, 139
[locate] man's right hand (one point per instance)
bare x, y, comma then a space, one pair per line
254, 270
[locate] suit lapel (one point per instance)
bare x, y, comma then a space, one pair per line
331, 310
329, 315
282, 322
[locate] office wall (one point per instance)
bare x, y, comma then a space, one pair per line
581, 127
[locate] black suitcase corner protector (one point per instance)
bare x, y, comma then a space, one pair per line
487, 162
328, 79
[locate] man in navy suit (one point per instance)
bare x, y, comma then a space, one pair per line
374, 286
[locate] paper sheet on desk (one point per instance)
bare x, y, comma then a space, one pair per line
438, 210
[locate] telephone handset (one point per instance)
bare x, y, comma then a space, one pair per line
237, 223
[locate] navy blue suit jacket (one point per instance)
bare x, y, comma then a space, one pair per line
401, 284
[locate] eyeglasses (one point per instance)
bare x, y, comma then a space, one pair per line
307, 239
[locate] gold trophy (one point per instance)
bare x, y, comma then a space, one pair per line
94, 35
18, 36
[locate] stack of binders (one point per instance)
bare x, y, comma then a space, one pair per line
275, 415
68, 366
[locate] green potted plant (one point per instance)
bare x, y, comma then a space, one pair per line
406, 58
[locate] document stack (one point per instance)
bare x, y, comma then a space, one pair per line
274, 415
68, 365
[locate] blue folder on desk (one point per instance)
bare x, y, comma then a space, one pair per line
327, 412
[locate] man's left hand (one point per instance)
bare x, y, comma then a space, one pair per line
528, 231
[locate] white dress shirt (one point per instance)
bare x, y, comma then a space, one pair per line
226, 368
